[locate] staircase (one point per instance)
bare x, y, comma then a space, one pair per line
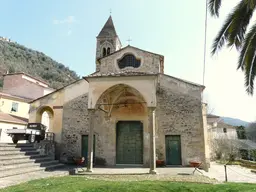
17, 159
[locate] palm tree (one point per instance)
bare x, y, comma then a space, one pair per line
234, 33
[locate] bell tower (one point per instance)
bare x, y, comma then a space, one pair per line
107, 41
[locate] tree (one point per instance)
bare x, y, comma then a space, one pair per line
241, 133
234, 33
223, 148
251, 131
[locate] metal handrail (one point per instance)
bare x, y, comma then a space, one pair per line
49, 136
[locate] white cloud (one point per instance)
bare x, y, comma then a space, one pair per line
68, 20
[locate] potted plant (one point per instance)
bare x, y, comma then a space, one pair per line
160, 162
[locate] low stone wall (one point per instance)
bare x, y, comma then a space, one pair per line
46, 148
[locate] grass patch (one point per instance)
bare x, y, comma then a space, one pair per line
83, 184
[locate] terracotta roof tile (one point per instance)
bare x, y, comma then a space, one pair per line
120, 73
5, 117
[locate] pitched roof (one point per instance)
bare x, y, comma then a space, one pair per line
212, 116
222, 124
108, 30
56, 90
183, 80
120, 73
130, 47
5, 117
245, 144
14, 97
135, 73
22, 73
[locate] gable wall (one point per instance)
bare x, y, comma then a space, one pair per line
55, 101
149, 62
179, 112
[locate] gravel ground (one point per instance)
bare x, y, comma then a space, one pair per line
162, 177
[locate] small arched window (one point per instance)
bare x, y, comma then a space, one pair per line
129, 61
108, 51
104, 52
224, 130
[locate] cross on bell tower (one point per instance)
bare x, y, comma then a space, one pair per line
129, 40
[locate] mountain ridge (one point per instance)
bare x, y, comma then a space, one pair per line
18, 58
235, 121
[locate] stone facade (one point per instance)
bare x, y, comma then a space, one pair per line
179, 112
75, 124
150, 62
162, 104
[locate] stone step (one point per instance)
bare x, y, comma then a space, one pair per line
19, 156
28, 165
13, 153
24, 170
17, 149
16, 145
26, 159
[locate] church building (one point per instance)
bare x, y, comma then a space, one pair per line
128, 112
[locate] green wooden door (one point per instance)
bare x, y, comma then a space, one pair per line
85, 147
129, 142
173, 150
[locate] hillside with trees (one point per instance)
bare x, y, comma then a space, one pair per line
17, 58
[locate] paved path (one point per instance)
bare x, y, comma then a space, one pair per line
127, 171
174, 174
235, 173
17, 179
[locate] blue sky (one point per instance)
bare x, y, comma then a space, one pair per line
66, 31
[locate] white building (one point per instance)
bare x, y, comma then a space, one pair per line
217, 129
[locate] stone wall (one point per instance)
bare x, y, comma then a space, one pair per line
149, 62
75, 124
179, 112
46, 148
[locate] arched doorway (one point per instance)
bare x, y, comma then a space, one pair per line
125, 106
122, 100
45, 120
45, 116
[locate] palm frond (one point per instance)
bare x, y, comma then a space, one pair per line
246, 48
250, 3
234, 27
250, 73
241, 17
222, 36
247, 59
214, 6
